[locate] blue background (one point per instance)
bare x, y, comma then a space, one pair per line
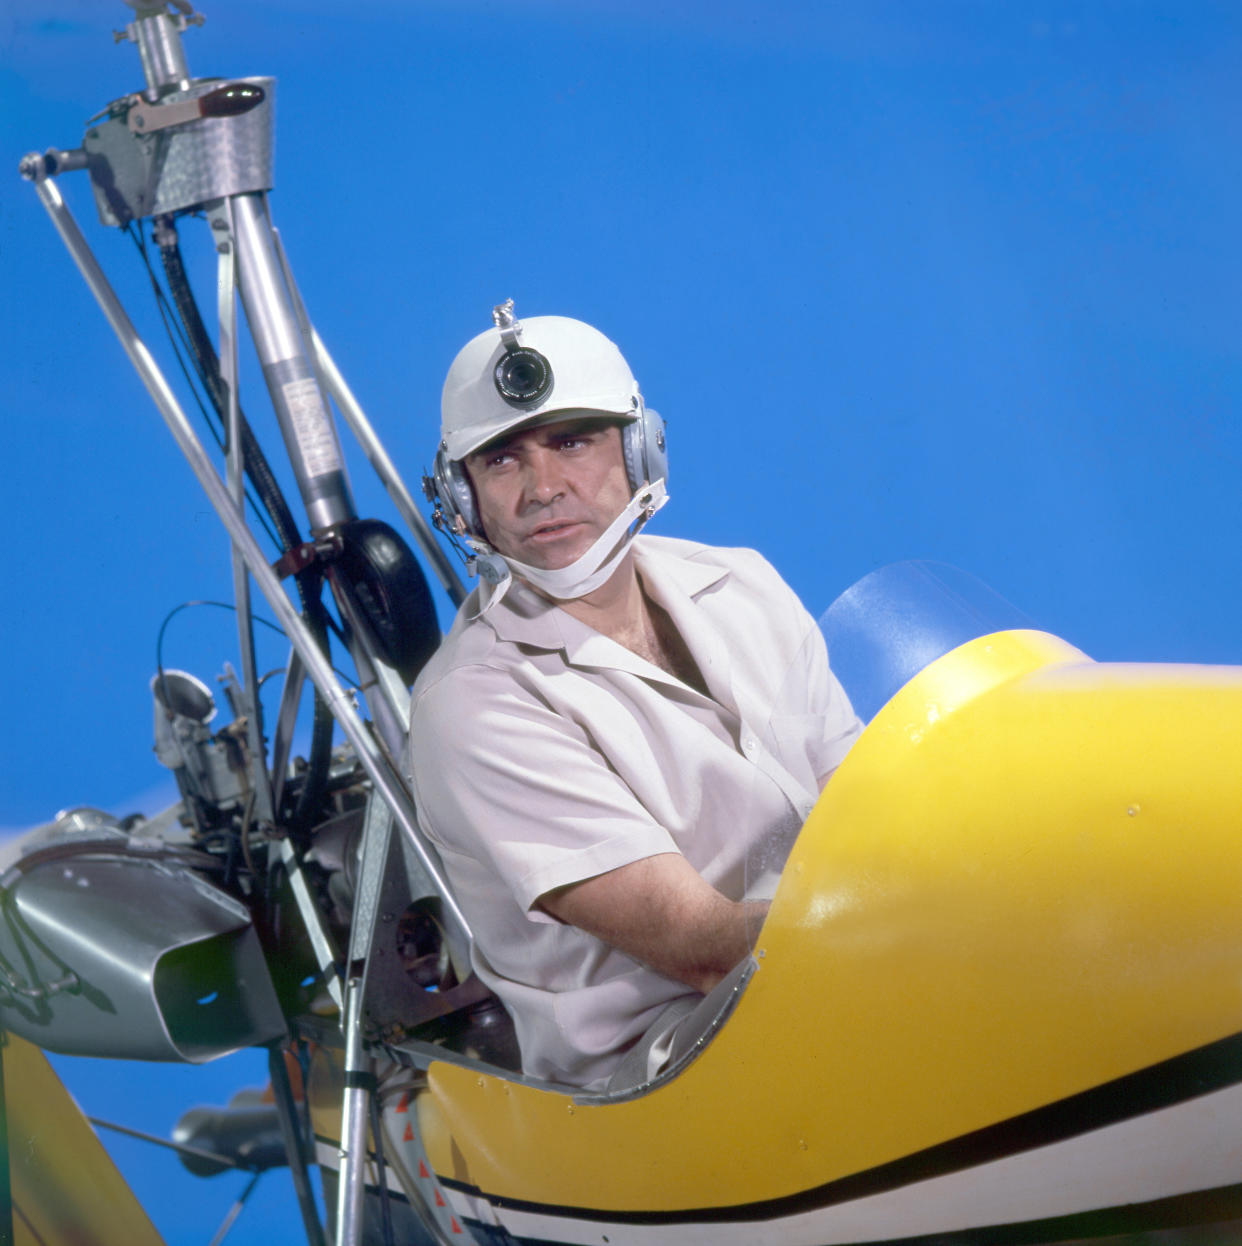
956, 281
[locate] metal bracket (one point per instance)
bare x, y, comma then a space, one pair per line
13, 987
508, 324
323, 549
230, 100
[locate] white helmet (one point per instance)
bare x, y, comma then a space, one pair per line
537, 372
521, 373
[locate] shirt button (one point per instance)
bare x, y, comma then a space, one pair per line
749, 745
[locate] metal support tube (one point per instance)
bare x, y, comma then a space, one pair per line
226, 297
386, 470
163, 56
332, 380
387, 697
387, 782
286, 1113
288, 367
359, 1068
230, 1218
353, 1150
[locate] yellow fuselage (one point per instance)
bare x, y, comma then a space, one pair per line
1023, 883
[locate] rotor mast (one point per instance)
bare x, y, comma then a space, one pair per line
157, 32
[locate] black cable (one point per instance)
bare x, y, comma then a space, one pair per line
306, 806
222, 605
207, 362
181, 345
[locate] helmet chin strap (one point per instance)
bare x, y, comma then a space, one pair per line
585, 574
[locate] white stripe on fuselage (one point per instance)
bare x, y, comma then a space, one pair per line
1196, 1145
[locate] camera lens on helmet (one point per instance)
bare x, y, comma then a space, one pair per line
523, 377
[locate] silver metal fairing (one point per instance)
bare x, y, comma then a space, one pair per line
184, 166
162, 965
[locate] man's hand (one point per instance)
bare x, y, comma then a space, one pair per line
662, 912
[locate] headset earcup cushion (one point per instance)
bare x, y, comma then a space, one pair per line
643, 445
456, 493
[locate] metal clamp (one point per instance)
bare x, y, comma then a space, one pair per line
299, 557
230, 100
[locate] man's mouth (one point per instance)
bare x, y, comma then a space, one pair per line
551, 529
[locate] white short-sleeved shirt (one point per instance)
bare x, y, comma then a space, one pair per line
543, 753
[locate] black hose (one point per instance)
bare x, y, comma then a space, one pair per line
257, 468
309, 581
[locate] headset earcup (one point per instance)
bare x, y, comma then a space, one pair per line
643, 443
456, 493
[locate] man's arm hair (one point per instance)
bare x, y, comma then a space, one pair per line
662, 912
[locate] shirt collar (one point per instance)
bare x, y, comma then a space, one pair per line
525, 617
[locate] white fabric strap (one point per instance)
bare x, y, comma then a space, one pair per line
585, 574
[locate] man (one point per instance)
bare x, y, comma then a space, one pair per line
621, 736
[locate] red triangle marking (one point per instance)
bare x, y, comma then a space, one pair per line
422, 1171
439, 1197
405, 1102
456, 1226
409, 1132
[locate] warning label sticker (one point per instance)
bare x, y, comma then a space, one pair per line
311, 427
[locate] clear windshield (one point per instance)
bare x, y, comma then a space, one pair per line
873, 639
886, 628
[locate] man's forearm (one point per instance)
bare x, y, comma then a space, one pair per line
704, 958
662, 912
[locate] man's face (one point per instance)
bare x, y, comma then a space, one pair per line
546, 494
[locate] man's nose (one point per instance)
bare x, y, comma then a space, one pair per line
544, 481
